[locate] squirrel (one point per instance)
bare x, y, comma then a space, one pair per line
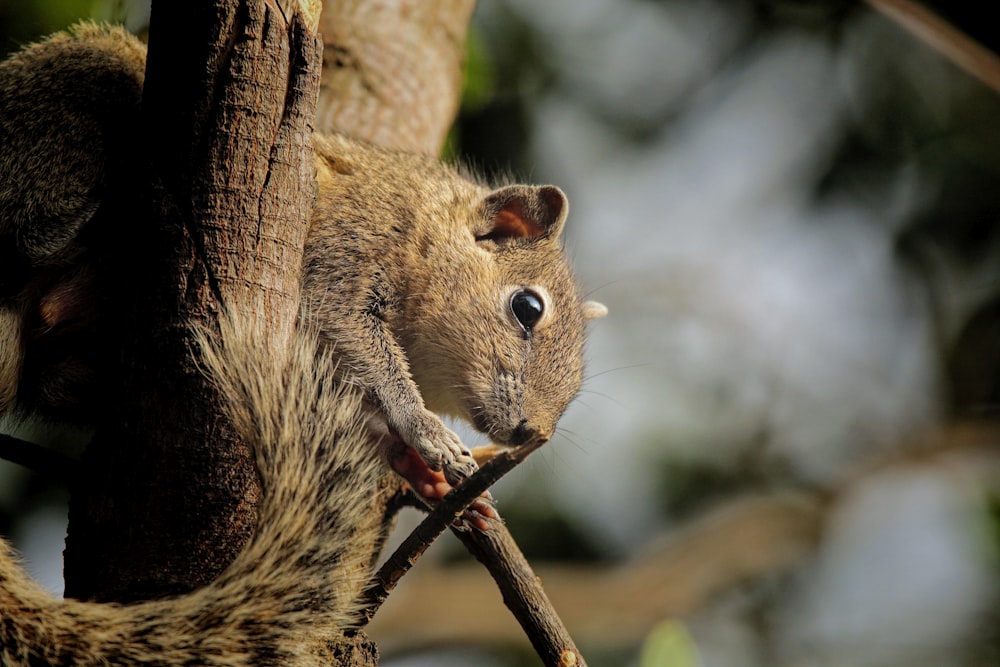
427, 291
438, 294
442, 296
302, 573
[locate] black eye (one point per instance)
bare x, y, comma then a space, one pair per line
527, 308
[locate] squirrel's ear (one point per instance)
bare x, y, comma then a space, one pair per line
593, 310
523, 212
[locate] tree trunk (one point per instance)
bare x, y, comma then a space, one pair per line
217, 218
169, 495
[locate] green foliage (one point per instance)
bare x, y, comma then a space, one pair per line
669, 645
25, 22
478, 80
478, 87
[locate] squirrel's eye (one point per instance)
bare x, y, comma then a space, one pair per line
527, 308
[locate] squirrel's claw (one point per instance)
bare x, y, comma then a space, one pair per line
476, 515
440, 448
460, 469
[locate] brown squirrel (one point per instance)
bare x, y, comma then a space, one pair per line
430, 292
437, 293
442, 295
298, 579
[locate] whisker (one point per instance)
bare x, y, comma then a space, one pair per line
593, 392
566, 436
616, 369
589, 293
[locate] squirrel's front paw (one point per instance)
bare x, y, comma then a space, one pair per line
441, 449
432, 487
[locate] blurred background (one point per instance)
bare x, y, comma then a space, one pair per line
787, 450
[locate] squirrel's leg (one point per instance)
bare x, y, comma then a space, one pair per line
379, 363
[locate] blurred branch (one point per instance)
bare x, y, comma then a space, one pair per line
940, 35
392, 71
42, 460
747, 538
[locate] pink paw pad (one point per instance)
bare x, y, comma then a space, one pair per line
432, 486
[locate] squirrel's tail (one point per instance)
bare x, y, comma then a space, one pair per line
299, 577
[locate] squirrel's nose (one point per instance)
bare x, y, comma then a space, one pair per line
522, 433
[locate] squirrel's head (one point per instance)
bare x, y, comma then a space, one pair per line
507, 346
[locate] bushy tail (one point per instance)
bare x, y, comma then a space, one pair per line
296, 581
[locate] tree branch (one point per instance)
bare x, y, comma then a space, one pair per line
441, 516
496, 549
964, 52
392, 71
523, 594
615, 606
728, 547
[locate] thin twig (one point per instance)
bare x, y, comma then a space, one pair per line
523, 594
497, 550
443, 515
962, 50
48, 462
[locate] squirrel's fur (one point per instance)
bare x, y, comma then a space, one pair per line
410, 270
300, 575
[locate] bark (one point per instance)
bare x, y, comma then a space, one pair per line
168, 494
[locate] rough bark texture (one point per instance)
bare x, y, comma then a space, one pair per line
169, 496
392, 70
